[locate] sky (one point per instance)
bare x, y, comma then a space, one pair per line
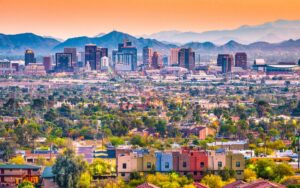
69, 18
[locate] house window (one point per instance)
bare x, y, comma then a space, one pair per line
167, 165
219, 164
122, 174
202, 164
238, 172
148, 165
184, 164
124, 165
201, 173
185, 173
195, 173
238, 164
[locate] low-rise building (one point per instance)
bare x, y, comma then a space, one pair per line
13, 175
164, 162
126, 164
236, 162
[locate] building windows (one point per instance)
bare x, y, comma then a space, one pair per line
124, 165
122, 174
167, 165
238, 164
219, 164
201, 173
202, 164
148, 165
185, 173
238, 172
195, 173
184, 164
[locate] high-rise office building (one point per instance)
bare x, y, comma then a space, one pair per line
73, 51
156, 62
165, 61
147, 53
186, 58
101, 52
226, 62
174, 56
125, 58
104, 63
47, 63
90, 55
241, 60
29, 57
15, 66
63, 62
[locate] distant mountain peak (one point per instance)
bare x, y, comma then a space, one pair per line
280, 30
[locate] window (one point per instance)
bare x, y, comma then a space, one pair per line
124, 165
123, 174
185, 173
201, 173
238, 164
148, 165
195, 173
202, 164
220, 164
238, 172
184, 164
167, 165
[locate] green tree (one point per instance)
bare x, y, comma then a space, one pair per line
17, 160
262, 108
68, 169
249, 175
85, 180
116, 141
26, 184
100, 167
212, 181
282, 170
7, 150
265, 168
137, 140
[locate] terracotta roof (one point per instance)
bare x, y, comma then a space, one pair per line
147, 185
198, 185
260, 183
235, 184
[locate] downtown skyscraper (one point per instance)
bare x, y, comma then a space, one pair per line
125, 58
186, 58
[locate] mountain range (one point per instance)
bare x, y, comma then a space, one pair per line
11, 45
272, 32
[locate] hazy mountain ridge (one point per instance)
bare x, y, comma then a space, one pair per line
111, 41
15, 44
272, 32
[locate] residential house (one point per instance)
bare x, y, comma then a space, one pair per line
126, 164
13, 175
34, 156
216, 160
48, 178
198, 162
236, 162
164, 162
146, 162
230, 145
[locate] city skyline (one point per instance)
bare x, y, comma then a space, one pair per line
70, 18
